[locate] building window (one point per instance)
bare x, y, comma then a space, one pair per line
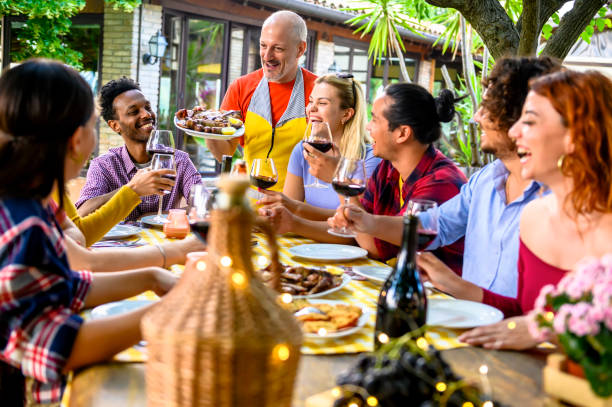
351, 56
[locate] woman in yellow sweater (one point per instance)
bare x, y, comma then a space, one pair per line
95, 225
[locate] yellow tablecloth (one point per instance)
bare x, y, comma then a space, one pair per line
362, 293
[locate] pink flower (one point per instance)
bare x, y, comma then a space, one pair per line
540, 302
560, 318
536, 333
579, 321
608, 318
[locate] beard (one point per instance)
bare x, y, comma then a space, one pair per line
500, 148
136, 134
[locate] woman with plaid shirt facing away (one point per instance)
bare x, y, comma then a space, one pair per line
47, 132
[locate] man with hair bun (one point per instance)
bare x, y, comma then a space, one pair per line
405, 122
272, 99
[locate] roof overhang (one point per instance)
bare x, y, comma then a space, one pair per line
308, 9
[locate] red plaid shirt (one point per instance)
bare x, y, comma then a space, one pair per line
39, 296
435, 178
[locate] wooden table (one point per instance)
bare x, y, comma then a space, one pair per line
515, 377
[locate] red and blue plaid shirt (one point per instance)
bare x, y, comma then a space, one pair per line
39, 296
435, 178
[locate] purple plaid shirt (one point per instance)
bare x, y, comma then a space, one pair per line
114, 169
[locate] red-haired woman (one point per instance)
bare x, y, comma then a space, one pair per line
564, 140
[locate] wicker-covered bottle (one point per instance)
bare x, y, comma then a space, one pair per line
219, 338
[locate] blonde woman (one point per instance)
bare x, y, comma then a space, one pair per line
338, 100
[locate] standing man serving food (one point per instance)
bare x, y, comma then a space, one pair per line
272, 99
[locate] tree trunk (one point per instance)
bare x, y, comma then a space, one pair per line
398, 52
571, 26
490, 20
528, 44
547, 9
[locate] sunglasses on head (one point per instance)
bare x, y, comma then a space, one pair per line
346, 75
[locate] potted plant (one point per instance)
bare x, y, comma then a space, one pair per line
578, 314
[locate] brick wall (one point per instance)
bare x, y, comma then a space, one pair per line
120, 57
324, 57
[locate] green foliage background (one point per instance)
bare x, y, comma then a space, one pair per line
48, 22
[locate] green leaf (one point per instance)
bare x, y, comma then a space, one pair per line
602, 12
555, 18
589, 30
547, 31
601, 24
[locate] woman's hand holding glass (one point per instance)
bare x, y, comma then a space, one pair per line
317, 142
272, 199
322, 165
281, 219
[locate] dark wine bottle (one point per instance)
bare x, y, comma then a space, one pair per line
226, 164
402, 304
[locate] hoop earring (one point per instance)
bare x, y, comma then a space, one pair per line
560, 162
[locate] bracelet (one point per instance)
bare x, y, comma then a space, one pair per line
163, 253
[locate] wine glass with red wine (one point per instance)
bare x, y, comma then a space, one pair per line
160, 142
163, 162
426, 235
349, 180
318, 135
263, 173
200, 200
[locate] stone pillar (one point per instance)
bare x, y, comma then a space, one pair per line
121, 57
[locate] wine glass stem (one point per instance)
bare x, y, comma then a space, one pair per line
159, 208
344, 229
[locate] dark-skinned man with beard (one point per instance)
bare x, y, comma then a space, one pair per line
488, 208
124, 171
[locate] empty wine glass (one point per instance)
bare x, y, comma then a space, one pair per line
200, 205
318, 135
163, 162
160, 142
263, 173
427, 233
349, 180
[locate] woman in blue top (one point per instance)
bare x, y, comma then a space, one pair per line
338, 100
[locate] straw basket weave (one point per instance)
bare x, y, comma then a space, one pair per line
219, 338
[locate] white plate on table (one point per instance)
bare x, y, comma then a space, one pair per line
451, 313
200, 134
151, 221
363, 319
328, 252
118, 308
345, 280
121, 232
374, 273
